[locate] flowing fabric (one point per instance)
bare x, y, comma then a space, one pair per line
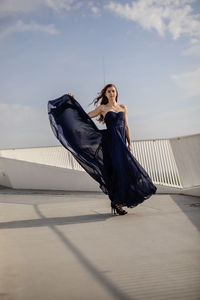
102, 153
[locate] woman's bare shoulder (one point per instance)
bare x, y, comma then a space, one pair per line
123, 106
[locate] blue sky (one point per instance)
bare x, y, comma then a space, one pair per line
150, 49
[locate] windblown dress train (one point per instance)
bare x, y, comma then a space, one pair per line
102, 153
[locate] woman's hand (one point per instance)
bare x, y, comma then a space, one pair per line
130, 148
70, 95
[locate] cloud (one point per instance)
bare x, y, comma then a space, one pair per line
94, 8
59, 5
193, 49
189, 82
17, 116
178, 121
23, 125
20, 26
147, 16
21, 7
10, 7
174, 16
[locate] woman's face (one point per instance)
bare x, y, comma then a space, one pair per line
111, 93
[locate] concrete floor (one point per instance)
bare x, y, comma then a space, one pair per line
67, 245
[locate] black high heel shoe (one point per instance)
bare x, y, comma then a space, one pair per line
117, 209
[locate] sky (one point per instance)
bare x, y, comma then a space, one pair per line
150, 49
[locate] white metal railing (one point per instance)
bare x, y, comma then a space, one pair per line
56, 156
155, 156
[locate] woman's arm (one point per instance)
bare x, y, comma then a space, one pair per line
127, 130
95, 112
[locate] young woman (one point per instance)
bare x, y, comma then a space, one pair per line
106, 154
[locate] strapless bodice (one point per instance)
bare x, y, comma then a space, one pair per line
115, 125
115, 119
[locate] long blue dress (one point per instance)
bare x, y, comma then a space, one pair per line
102, 153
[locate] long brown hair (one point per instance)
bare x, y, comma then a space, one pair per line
104, 99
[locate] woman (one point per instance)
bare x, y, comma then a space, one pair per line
104, 154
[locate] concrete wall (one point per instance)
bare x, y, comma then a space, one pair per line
53, 168
187, 156
26, 175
